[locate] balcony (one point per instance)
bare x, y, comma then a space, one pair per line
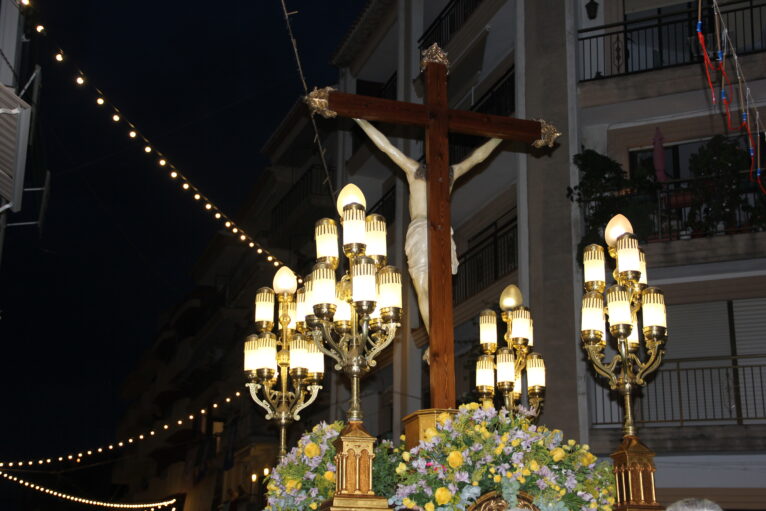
500, 99
684, 209
664, 41
694, 392
448, 23
493, 257
305, 202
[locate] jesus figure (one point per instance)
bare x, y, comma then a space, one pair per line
416, 241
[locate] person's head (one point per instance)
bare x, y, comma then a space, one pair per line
694, 504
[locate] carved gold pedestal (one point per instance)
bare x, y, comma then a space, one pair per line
353, 473
492, 501
416, 424
634, 476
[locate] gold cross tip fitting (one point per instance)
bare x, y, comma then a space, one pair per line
318, 102
548, 134
434, 54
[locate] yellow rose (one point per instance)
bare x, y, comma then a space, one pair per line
593, 505
585, 447
402, 438
430, 433
562, 492
312, 450
430, 506
558, 454
401, 469
533, 466
455, 459
473, 406
571, 443
442, 496
486, 434
290, 484
443, 417
504, 438
330, 476
521, 479
474, 483
313, 505
497, 478
406, 456
588, 458
515, 442
526, 472
499, 450
409, 504
491, 470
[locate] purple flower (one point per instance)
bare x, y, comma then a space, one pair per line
461, 477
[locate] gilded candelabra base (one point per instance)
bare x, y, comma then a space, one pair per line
634, 476
355, 451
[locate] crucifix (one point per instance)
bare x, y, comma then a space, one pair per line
434, 178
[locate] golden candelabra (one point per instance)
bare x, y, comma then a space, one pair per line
625, 299
509, 363
297, 364
354, 319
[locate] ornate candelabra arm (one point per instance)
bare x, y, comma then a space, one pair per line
316, 338
254, 388
651, 365
300, 405
607, 371
380, 345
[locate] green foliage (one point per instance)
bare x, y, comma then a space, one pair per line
719, 192
605, 190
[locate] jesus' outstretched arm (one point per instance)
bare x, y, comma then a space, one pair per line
379, 139
477, 156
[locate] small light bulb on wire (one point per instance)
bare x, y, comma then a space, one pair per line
197, 196
80, 80
132, 134
218, 215
147, 149
185, 186
40, 29
25, 2
208, 206
174, 174
59, 57
252, 244
100, 101
116, 118
163, 162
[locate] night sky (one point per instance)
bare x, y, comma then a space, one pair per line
207, 82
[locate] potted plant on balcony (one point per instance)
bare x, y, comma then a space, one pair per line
719, 189
606, 189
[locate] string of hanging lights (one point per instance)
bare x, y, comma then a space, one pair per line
80, 80
148, 506
141, 437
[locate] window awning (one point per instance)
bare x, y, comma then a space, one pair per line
14, 134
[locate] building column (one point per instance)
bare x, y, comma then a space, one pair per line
549, 221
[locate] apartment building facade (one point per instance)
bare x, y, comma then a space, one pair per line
608, 79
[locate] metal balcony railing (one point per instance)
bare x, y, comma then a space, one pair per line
693, 391
448, 23
665, 41
500, 99
310, 184
491, 259
678, 209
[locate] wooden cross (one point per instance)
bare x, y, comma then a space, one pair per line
438, 120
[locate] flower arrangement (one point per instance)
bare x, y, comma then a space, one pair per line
306, 477
477, 451
480, 450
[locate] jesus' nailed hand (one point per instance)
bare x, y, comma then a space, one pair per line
416, 242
